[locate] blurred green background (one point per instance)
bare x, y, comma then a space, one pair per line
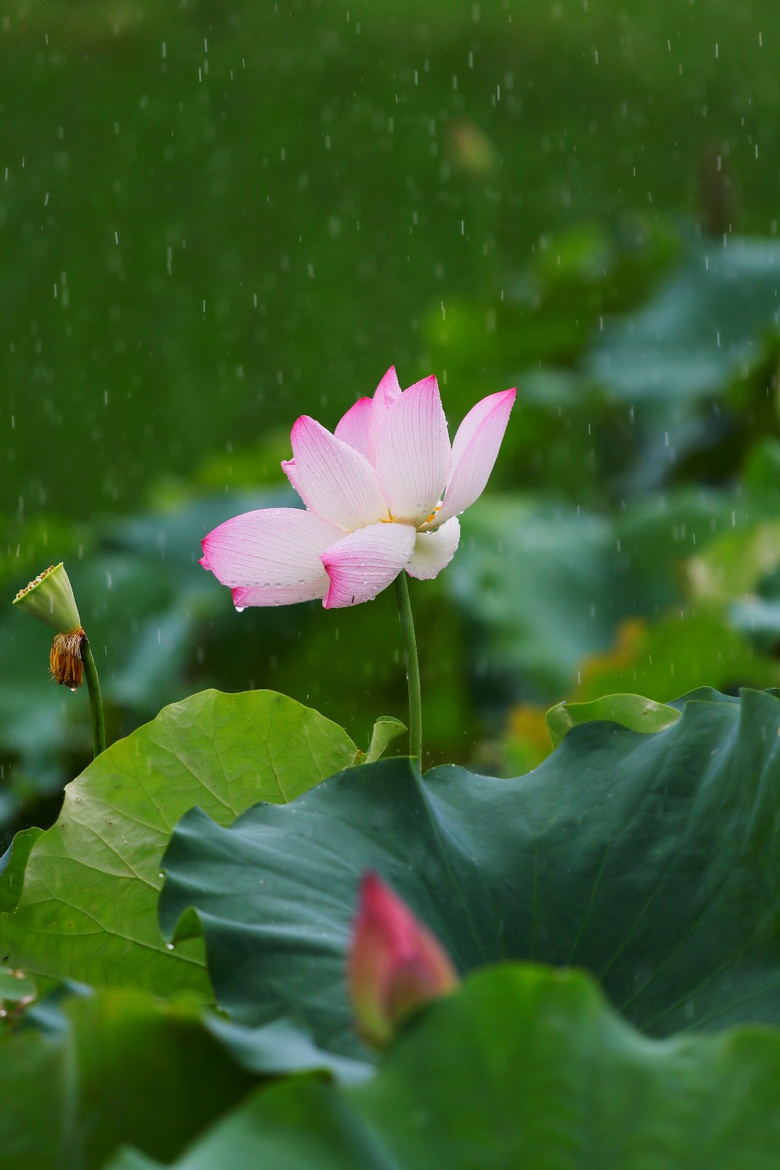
218, 216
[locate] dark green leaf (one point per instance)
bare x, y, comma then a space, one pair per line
652, 860
122, 1068
523, 1067
279, 1048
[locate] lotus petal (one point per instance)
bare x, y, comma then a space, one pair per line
474, 452
433, 551
272, 554
413, 453
364, 563
332, 478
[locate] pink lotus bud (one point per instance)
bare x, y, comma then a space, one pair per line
395, 963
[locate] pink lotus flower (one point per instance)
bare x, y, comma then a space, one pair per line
395, 963
382, 495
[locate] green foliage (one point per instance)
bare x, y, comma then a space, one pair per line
386, 729
540, 585
119, 1068
15, 986
160, 624
547, 588
259, 186
142, 604
80, 899
282, 1047
17, 992
703, 328
649, 859
279, 202
521, 1067
632, 711
679, 652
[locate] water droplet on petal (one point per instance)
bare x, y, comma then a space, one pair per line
240, 608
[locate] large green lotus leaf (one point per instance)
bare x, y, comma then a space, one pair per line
522, 1067
121, 1068
88, 903
652, 860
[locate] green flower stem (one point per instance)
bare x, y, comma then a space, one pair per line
95, 698
412, 666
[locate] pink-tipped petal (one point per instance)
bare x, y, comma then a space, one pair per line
475, 451
276, 550
244, 595
413, 453
433, 551
387, 392
354, 425
365, 562
332, 478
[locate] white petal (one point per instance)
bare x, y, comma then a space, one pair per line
332, 478
364, 563
474, 452
413, 453
433, 551
272, 548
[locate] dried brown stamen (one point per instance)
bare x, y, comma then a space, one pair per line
65, 661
